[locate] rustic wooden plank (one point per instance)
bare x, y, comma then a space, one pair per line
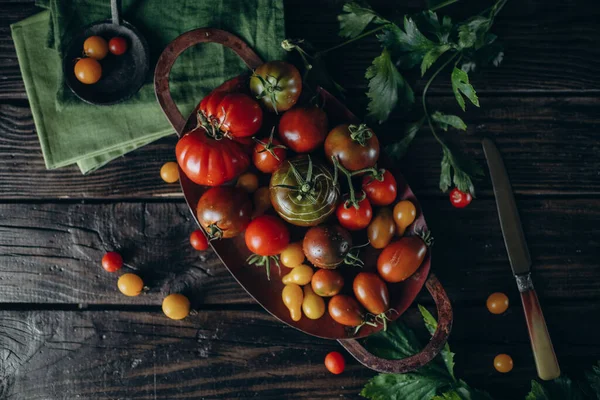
557, 55
241, 354
550, 146
50, 253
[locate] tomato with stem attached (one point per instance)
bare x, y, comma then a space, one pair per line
355, 216
88, 71
381, 229
381, 188
277, 84
224, 212
198, 240
460, 199
373, 294
400, 259
335, 363
95, 47
234, 115
327, 282
303, 129
269, 154
266, 236
345, 310
328, 246
355, 146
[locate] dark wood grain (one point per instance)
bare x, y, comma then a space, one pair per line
558, 55
549, 145
50, 253
246, 354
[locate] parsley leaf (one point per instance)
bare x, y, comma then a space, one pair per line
460, 84
472, 33
561, 388
446, 120
355, 18
398, 149
410, 386
386, 87
408, 45
432, 55
432, 23
431, 325
463, 170
593, 379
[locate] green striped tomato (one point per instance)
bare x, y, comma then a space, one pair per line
307, 201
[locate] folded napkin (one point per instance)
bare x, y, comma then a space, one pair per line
71, 131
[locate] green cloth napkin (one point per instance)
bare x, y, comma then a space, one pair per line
71, 131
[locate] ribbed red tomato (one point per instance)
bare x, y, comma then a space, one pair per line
208, 161
235, 115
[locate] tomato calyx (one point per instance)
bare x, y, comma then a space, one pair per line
373, 174
306, 184
360, 133
383, 318
214, 232
365, 322
353, 200
426, 237
353, 257
258, 260
270, 146
271, 87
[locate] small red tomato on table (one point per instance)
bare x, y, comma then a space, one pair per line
460, 199
112, 261
335, 363
198, 240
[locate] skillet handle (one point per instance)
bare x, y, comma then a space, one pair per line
178, 46
433, 348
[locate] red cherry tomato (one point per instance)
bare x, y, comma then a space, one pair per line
335, 363
267, 235
460, 199
198, 240
268, 155
380, 192
400, 259
210, 162
353, 218
117, 45
303, 129
372, 293
345, 310
112, 261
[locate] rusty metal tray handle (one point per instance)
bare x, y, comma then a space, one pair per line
252, 60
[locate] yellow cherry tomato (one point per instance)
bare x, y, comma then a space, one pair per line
176, 306
313, 306
248, 182
497, 303
262, 201
169, 172
95, 47
503, 363
381, 229
300, 275
130, 284
404, 215
292, 255
292, 298
88, 71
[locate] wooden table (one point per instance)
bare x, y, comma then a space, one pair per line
66, 333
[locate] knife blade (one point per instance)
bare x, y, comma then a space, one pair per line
520, 262
510, 223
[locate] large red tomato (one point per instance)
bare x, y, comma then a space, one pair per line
303, 129
210, 162
235, 115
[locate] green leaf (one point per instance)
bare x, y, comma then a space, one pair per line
431, 57
458, 170
460, 84
464, 392
472, 33
410, 386
593, 379
446, 354
386, 88
355, 18
408, 45
398, 149
446, 120
561, 388
432, 25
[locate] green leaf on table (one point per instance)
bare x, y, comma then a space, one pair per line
561, 388
593, 378
461, 86
446, 120
472, 33
409, 45
432, 55
431, 325
458, 170
430, 22
387, 87
398, 149
355, 18
410, 386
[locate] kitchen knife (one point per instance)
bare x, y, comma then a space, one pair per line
520, 261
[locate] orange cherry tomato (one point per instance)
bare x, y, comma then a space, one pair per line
262, 201
404, 215
497, 303
292, 255
176, 306
327, 282
503, 363
130, 284
335, 363
95, 47
88, 71
381, 229
169, 172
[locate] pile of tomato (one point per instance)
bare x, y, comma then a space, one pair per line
95, 48
323, 180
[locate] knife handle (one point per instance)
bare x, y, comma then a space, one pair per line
543, 351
